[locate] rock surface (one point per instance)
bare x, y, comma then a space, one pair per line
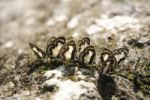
109, 23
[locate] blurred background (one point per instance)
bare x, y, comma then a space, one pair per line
106, 22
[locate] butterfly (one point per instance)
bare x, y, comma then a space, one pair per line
111, 59
54, 45
83, 43
37, 51
68, 51
120, 54
88, 55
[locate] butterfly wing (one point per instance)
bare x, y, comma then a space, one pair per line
88, 55
107, 61
37, 51
106, 53
61, 40
49, 46
54, 46
68, 51
62, 52
83, 43
120, 54
50, 41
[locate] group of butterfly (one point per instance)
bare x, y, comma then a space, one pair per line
83, 53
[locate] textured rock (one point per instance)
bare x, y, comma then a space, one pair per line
109, 24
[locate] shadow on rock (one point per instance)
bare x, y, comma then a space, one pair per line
106, 87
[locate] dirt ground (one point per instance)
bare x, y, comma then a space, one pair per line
108, 23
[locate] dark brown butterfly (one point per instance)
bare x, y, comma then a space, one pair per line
87, 56
109, 60
68, 51
37, 51
54, 46
83, 43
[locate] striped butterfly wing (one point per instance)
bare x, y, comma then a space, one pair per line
37, 51
88, 55
107, 61
50, 41
83, 43
68, 51
49, 46
54, 47
58, 44
120, 54
110, 64
106, 53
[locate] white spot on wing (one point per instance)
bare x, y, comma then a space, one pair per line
56, 50
88, 57
68, 54
105, 57
83, 47
35, 49
119, 56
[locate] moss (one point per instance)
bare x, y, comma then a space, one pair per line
130, 77
71, 77
142, 79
